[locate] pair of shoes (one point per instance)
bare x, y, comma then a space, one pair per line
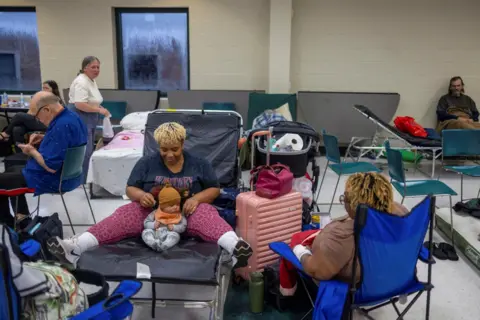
442, 251
66, 251
242, 252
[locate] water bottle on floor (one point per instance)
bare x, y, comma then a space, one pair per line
256, 292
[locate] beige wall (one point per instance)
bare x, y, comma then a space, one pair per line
228, 39
410, 47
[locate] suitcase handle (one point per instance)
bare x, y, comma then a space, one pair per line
267, 133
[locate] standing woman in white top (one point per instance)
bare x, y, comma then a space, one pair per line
85, 99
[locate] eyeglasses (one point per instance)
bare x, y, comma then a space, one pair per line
40, 109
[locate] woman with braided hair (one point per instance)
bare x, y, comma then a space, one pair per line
328, 254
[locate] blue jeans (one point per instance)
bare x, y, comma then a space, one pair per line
91, 120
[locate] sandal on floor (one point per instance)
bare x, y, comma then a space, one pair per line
437, 252
449, 250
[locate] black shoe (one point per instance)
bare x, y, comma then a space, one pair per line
449, 251
242, 253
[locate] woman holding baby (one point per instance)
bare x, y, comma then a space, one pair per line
197, 185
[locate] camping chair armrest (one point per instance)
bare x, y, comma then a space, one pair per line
284, 251
423, 256
117, 305
30, 248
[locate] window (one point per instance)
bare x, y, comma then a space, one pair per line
152, 49
19, 53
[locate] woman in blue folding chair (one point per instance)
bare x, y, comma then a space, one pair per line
328, 253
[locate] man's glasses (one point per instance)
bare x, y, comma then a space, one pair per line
40, 109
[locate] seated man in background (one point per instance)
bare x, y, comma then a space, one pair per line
43, 169
456, 110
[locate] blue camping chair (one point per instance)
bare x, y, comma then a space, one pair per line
415, 188
387, 248
340, 168
461, 143
116, 307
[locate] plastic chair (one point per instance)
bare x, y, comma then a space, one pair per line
118, 110
72, 168
459, 142
415, 188
387, 248
117, 306
226, 106
340, 168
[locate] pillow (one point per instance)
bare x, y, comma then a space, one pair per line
135, 121
285, 112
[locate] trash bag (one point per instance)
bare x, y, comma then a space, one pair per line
408, 125
107, 130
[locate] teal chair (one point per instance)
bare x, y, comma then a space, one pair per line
73, 168
219, 106
458, 143
118, 110
415, 188
340, 168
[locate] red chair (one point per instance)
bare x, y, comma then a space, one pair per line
15, 193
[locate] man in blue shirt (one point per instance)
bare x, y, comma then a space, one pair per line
43, 169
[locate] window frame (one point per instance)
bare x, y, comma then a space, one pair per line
118, 11
21, 9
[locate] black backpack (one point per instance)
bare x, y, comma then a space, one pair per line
472, 207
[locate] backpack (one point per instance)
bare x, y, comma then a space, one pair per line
64, 297
472, 207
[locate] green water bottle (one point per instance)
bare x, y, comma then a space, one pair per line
256, 292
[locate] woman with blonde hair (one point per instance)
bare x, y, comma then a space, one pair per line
328, 254
191, 176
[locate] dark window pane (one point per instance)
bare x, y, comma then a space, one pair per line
19, 54
154, 49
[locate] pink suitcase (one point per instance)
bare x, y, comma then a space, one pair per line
261, 221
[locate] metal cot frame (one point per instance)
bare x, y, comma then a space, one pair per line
215, 295
375, 144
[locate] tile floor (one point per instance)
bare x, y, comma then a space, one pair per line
457, 284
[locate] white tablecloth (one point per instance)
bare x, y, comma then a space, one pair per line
110, 167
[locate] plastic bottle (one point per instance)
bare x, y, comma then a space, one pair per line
5, 99
256, 292
22, 101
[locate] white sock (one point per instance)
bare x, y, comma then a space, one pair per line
86, 241
228, 241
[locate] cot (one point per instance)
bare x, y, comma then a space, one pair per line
384, 132
193, 274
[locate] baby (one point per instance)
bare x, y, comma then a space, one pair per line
163, 226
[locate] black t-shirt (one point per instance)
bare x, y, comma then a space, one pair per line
151, 175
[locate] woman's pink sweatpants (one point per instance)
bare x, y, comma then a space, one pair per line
127, 222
